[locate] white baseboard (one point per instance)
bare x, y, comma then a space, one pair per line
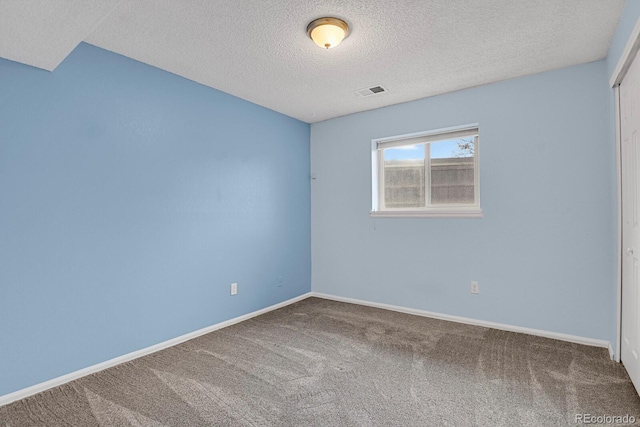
29, 391
612, 354
504, 327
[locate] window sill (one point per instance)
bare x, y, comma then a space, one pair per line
431, 213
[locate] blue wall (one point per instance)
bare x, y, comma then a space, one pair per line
130, 199
544, 253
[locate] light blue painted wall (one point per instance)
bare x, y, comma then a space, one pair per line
544, 253
130, 199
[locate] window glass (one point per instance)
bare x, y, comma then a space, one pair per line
427, 174
452, 171
404, 178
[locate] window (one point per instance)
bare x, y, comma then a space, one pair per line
427, 174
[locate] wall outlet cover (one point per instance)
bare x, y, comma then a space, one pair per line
475, 289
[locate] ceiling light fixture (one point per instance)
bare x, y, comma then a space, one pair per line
328, 32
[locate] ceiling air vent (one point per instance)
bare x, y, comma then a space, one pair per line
371, 91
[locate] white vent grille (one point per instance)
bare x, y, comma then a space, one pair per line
375, 90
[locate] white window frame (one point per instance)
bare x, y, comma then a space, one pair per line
456, 210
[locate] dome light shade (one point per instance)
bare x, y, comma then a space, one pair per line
328, 32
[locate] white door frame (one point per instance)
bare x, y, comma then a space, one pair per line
628, 54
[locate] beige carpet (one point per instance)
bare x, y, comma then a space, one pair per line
325, 363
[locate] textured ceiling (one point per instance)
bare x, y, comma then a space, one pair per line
42, 32
259, 51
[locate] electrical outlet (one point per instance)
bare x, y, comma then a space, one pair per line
475, 289
234, 288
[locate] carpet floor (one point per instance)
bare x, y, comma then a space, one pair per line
326, 363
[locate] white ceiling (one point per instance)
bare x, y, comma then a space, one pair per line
258, 50
42, 33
